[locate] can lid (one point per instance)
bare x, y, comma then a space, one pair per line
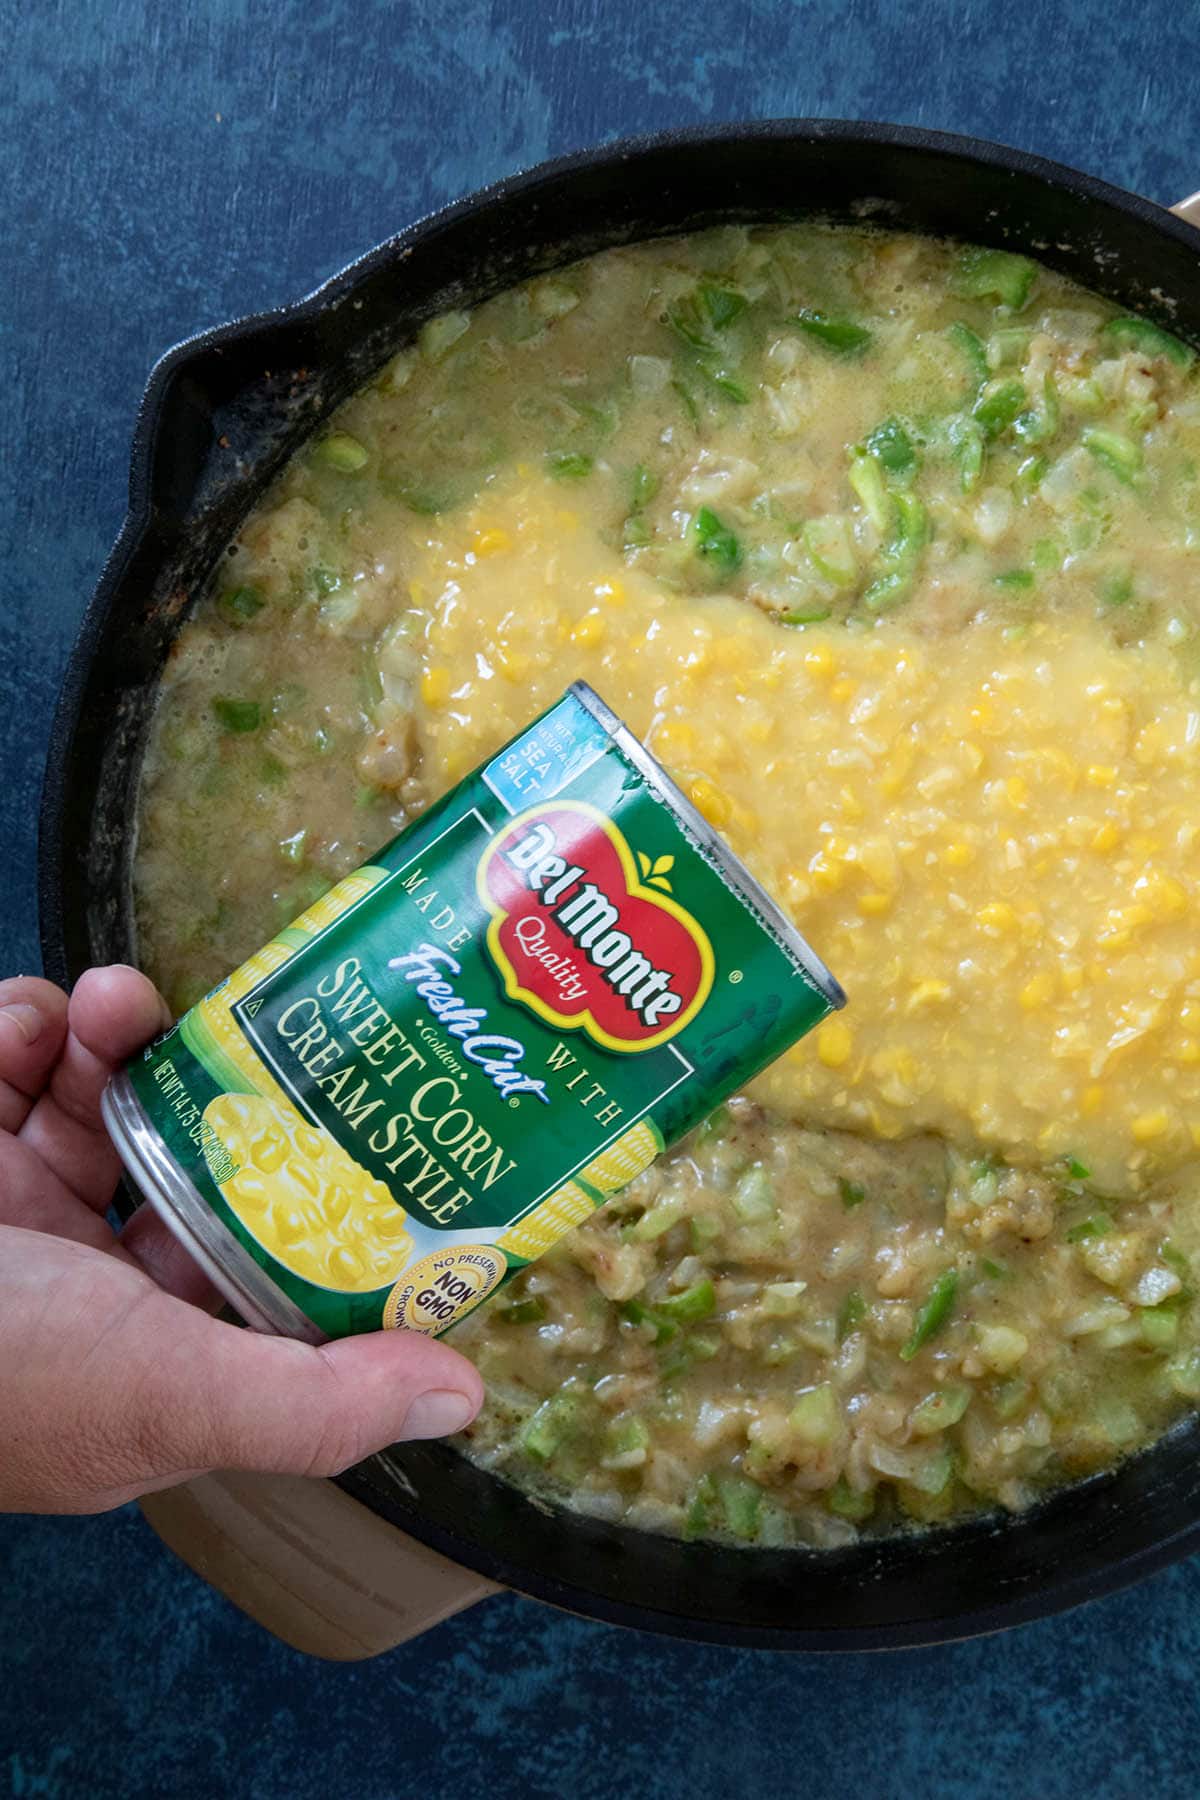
711, 844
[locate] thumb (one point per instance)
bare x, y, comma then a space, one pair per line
110, 1387
277, 1406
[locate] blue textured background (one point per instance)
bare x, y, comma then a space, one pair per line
169, 165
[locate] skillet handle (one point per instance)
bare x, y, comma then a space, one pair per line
1189, 209
309, 1564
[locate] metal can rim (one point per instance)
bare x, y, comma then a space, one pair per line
164, 1184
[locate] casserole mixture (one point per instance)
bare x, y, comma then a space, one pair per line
887, 548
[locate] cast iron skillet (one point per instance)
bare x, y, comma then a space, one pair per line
221, 415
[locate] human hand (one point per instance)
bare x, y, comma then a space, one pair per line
115, 1379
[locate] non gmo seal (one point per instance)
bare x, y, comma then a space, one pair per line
442, 1287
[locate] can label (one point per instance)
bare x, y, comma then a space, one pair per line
463, 1048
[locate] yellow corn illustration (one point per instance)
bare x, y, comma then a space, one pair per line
210, 1029
304, 1198
559, 1213
623, 1161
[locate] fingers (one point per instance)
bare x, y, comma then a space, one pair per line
33, 1024
160, 1253
113, 1388
32, 1197
112, 1013
199, 1394
274, 1405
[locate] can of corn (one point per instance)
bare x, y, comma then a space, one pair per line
462, 1049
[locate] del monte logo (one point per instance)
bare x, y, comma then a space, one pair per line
586, 934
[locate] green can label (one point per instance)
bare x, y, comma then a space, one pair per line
463, 1048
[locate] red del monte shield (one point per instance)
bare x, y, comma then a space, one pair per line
586, 934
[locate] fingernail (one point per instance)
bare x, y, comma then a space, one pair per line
437, 1414
27, 1019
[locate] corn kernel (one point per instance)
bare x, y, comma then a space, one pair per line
591, 629
958, 854
1037, 991
512, 664
827, 876
1188, 1052
492, 542
1100, 775
1148, 1126
843, 690
1166, 897
896, 774
709, 799
997, 916
675, 737
927, 993
611, 592
874, 905
1072, 976
1016, 792
819, 660
1195, 1131
1120, 924
1091, 1100
435, 686
1106, 837
834, 1043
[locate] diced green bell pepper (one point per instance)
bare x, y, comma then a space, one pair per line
240, 605
554, 1419
984, 274
842, 336
1113, 451
891, 445
1133, 333
933, 1314
716, 543
696, 1302
237, 715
